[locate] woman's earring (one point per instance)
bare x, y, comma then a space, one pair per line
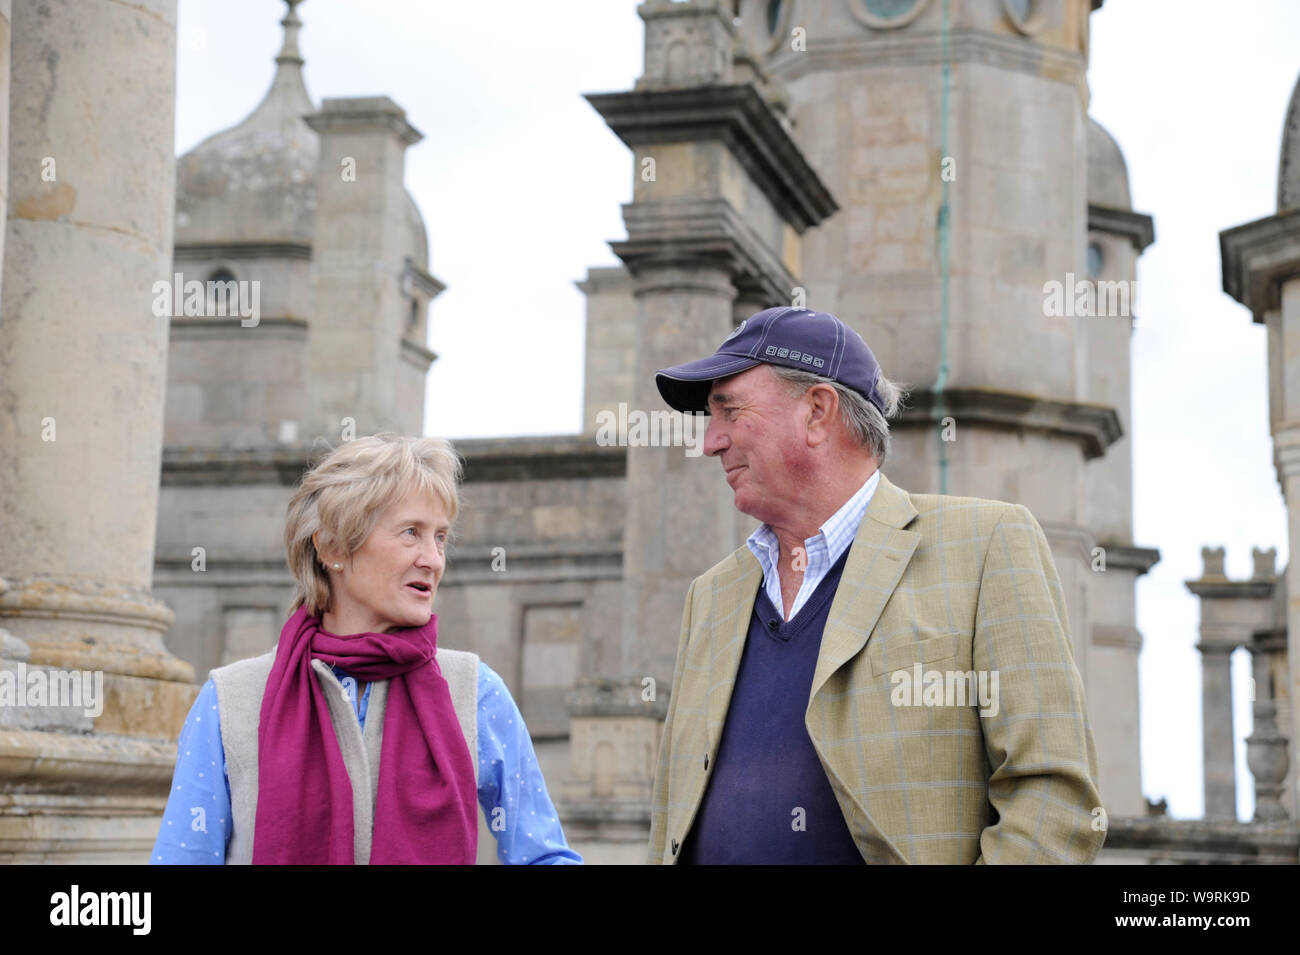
338, 566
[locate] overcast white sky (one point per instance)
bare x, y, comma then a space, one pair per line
520, 183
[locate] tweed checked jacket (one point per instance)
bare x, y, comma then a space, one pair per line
952, 584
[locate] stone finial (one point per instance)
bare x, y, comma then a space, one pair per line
1265, 561
1267, 759
289, 49
687, 44
1212, 558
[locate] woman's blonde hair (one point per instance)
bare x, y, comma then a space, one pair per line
345, 494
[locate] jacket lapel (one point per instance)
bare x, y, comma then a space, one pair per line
877, 558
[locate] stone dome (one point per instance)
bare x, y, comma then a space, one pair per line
1288, 169
1107, 173
257, 180
417, 242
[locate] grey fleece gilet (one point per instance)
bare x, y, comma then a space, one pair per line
240, 688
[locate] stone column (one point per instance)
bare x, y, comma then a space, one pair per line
82, 366
678, 508
1216, 721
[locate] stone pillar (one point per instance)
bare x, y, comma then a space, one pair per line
679, 509
360, 284
1216, 722
82, 366
1232, 612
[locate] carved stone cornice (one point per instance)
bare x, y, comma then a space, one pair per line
738, 116
1138, 227
1258, 257
1094, 426
697, 233
190, 466
417, 355
206, 327
926, 48
192, 251
540, 458
1130, 557
1232, 589
422, 279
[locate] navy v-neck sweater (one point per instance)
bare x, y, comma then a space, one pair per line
768, 800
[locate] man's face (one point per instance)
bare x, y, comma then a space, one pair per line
406, 547
757, 432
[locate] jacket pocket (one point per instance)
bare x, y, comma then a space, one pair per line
890, 658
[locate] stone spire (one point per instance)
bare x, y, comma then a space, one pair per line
288, 87
254, 182
289, 56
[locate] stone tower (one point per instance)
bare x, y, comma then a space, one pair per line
956, 138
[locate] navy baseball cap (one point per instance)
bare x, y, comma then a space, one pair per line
793, 337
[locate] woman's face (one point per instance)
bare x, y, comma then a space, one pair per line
374, 591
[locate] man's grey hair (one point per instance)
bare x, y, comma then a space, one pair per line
863, 420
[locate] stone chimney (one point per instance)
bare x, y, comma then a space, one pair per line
360, 309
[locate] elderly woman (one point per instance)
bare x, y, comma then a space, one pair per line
356, 739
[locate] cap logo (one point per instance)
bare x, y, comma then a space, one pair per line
739, 328
802, 357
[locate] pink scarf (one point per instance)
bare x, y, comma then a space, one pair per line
426, 810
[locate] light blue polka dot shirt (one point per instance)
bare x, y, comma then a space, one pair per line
197, 826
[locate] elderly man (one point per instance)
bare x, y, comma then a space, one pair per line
876, 676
